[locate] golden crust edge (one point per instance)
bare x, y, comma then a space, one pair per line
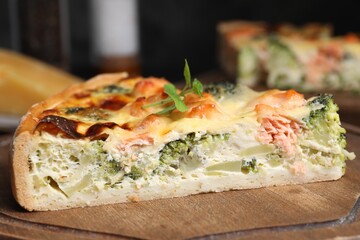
19, 168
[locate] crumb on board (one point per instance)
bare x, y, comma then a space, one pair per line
134, 198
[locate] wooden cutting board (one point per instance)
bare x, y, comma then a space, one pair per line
310, 211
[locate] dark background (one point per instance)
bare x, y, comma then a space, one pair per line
171, 30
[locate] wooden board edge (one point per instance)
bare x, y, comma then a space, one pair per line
350, 218
15, 227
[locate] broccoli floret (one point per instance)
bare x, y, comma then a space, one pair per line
249, 165
111, 167
324, 120
135, 173
327, 100
182, 153
114, 89
172, 152
219, 90
324, 125
180, 150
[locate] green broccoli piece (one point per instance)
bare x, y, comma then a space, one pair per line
249, 165
180, 153
324, 127
219, 90
135, 173
114, 89
172, 152
111, 167
324, 121
179, 150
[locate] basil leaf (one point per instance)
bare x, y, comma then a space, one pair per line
197, 87
187, 75
194, 86
170, 90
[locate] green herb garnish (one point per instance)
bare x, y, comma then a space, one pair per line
177, 99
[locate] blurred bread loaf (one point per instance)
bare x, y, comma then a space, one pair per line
25, 81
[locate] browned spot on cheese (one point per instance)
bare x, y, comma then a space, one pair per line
50, 111
115, 102
55, 124
127, 126
194, 98
151, 121
204, 110
97, 128
102, 137
80, 95
149, 86
136, 108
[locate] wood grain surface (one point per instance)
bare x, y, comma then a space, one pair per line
310, 211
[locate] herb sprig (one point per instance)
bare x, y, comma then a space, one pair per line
177, 99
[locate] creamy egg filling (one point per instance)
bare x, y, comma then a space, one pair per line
69, 166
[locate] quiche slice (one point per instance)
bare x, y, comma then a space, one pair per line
105, 141
246, 49
313, 65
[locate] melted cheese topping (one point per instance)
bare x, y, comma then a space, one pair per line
118, 110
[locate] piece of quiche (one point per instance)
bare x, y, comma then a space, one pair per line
244, 46
313, 65
242, 49
117, 139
